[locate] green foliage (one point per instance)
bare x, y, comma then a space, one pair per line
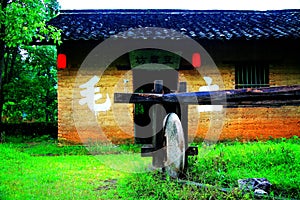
220, 166
45, 145
225, 163
22, 23
46, 148
153, 185
25, 21
31, 93
139, 109
145, 186
83, 177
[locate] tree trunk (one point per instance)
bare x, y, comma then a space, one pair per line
2, 49
1, 104
2, 52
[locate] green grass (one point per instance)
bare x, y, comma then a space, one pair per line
43, 170
278, 161
48, 147
221, 165
57, 177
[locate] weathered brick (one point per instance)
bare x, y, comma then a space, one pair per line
117, 123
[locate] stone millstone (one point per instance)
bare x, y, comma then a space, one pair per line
175, 145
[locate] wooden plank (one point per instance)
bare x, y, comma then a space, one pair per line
182, 87
157, 133
262, 97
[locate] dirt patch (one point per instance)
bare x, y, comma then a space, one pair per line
107, 184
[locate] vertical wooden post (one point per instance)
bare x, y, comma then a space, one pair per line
184, 119
157, 121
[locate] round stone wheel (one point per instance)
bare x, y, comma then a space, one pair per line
175, 145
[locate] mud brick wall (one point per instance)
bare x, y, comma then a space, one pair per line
284, 74
255, 123
117, 122
66, 127
79, 128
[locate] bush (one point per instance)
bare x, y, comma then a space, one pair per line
27, 130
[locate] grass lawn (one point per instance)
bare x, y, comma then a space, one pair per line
45, 171
54, 177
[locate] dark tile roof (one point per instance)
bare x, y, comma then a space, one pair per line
211, 25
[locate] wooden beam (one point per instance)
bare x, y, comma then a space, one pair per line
261, 97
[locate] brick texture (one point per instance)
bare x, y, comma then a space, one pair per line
116, 124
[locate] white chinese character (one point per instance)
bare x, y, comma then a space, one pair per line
90, 96
209, 87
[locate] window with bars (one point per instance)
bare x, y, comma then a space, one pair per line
251, 75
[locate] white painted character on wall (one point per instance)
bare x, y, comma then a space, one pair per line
209, 87
90, 96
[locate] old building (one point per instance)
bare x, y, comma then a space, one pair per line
249, 49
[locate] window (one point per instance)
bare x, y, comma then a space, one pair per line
251, 75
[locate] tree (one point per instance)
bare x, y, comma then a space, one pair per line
22, 22
31, 94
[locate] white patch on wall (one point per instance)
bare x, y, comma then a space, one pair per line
209, 87
91, 95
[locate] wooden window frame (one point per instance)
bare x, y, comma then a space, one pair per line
251, 75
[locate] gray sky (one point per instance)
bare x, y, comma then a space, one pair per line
182, 4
